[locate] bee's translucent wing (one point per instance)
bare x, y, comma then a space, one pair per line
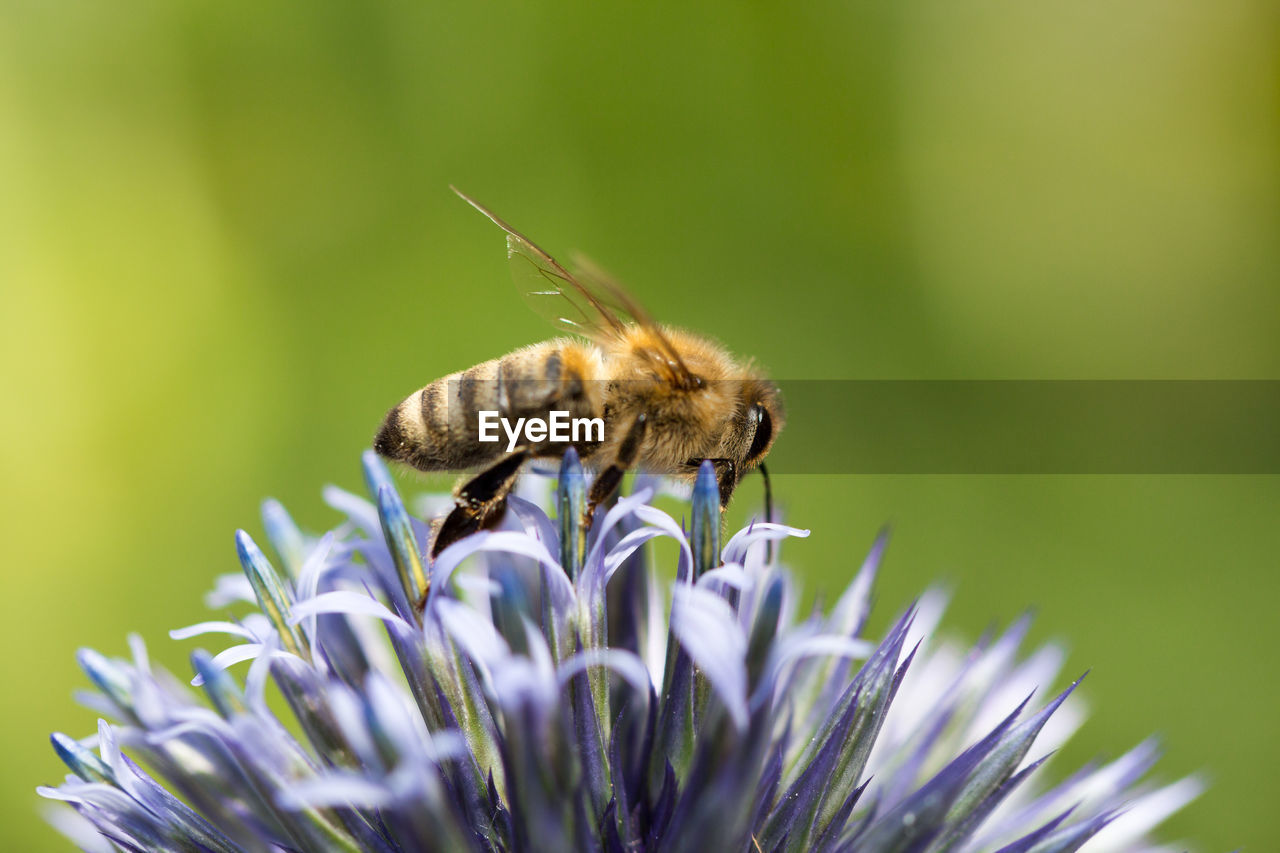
559, 296
586, 302
552, 291
595, 280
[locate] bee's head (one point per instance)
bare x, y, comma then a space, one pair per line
754, 426
764, 419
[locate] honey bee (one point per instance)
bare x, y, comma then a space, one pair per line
668, 399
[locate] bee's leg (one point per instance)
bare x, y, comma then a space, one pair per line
481, 501
726, 476
609, 478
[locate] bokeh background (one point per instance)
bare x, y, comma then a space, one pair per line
227, 245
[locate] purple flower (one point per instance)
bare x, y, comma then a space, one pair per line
538, 689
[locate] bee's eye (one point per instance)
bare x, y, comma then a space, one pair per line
764, 433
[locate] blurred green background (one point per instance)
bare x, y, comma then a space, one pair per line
227, 245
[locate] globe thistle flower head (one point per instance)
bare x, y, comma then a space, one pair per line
542, 687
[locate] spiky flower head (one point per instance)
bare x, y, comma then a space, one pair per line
535, 689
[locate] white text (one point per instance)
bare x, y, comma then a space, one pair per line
560, 428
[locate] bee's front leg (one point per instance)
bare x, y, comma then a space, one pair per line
481, 501
609, 478
726, 476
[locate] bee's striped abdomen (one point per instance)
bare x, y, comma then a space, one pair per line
437, 428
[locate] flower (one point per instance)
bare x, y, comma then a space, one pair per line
536, 688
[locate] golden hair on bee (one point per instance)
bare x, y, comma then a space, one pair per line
663, 399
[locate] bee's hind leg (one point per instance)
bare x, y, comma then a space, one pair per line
610, 477
481, 501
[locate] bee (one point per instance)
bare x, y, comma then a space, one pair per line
668, 399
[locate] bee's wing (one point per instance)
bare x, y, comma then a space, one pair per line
666, 358
587, 303
551, 290
560, 297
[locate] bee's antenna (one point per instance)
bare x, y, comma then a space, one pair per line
768, 511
